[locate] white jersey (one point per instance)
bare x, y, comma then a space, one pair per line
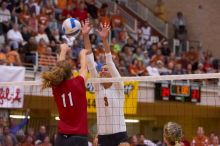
109, 102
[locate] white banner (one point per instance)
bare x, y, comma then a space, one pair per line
11, 96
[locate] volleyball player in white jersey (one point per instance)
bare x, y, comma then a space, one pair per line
109, 98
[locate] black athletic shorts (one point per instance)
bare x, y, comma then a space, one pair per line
112, 139
71, 140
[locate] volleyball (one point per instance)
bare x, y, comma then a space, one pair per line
71, 27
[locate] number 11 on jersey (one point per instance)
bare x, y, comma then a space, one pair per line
70, 99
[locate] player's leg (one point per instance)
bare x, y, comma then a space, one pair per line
120, 138
106, 140
60, 140
77, 141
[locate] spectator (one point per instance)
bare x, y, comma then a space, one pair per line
152, 70
115, 45
8, 141
199, 69
158, 56
200, 138
68, 12
122, 68
24, 15
9, 138
81, 13
26, 33
42, 35
193, 56
43, 17
49, 9
177, 69
42, 133
215, 141
103, 14
3, 58
165, 49
160, 10
179, 24
138, 54
172, 134
12, 57
130, 44
145, 142
103, 11
133, 141
189, 69
92, 9
1, 131
14, 128
133, 68
46, 141
20, 136
145, 33
146, 59
34, 7
27, 52
162, 70
172, 59
28, 141
117, 23
5, 17
183, 61
33, 23
153, 49
53, 23
14, 37
141, 68
211, 136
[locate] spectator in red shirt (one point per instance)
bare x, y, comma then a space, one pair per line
81, 13
43, 17
68, 12
200, 139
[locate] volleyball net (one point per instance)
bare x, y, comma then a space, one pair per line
149, 102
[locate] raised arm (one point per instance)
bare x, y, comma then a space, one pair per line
86, 27
64, 48
104, 33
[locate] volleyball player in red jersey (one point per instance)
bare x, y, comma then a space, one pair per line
70, 96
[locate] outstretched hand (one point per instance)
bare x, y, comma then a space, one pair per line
86, 27
64, 47
104, 31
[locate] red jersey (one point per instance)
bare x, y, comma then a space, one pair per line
70, 97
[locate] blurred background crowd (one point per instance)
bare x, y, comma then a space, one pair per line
31, 31
18, 134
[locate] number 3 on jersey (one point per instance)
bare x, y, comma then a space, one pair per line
106, 101
69, 97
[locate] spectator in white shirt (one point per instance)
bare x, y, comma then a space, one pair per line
145, 34
5, 16
152, 70
42, 35
179, 24
14, 37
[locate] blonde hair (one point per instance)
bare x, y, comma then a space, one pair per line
62, 71
173, 133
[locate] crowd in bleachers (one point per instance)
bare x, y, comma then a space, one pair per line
13, 133
33, 27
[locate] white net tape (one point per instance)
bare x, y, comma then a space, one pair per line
128, 79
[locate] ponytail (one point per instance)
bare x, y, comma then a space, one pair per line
62, 71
